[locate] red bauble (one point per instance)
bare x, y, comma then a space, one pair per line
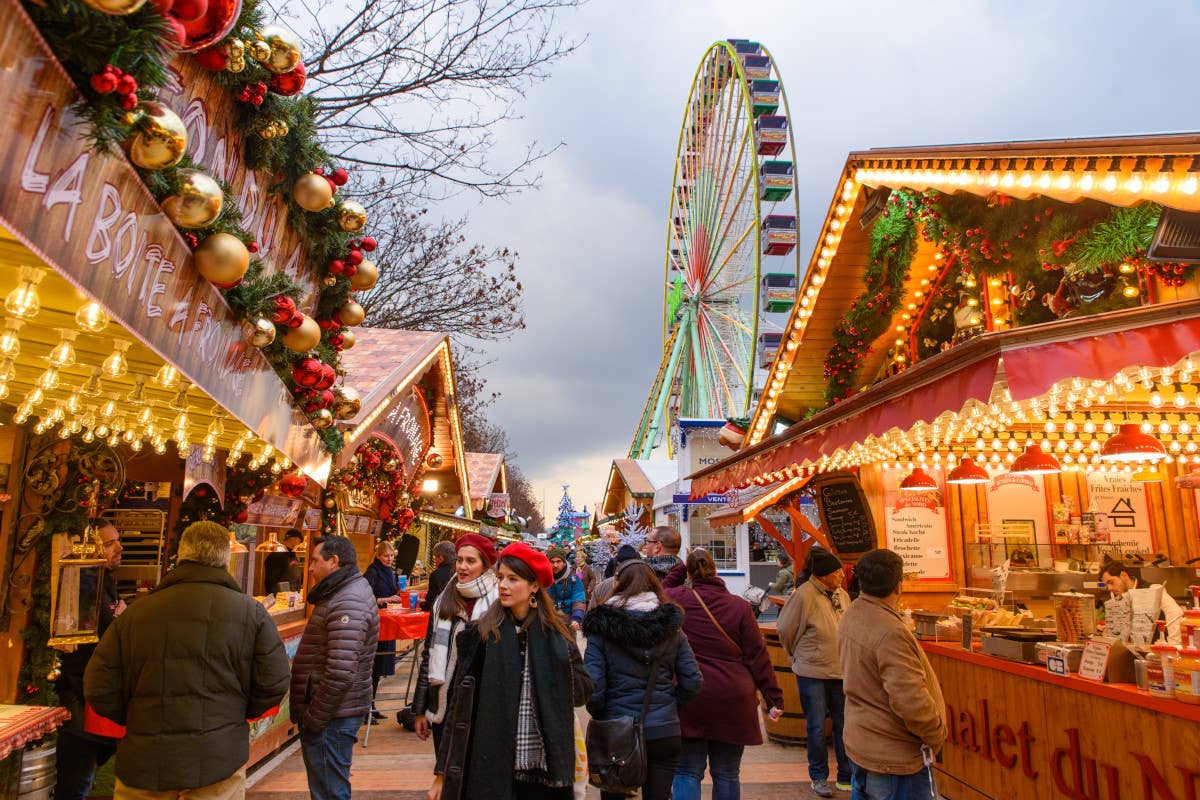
292, 484
337, 267
175, 36
351, 271
329, 324
332, 186
189, 10
289, 83
368, 243
212, 26
128, 102
295, 320
104, 82
326, 399
127, 84
307, 372
328, 376
337, 341
339, 177
213, 59
241, 517
354, 257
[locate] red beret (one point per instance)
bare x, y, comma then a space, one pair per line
535, 559
481, 543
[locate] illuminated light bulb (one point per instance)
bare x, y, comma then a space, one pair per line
92, 386
128, 437
1156, 399
64, 432
1180, 399
1050, 427
1160, 185
10, 341
181, 421
1134, 183
1126, 268
49, 379
1063, 182
136, 445
1089, 427
115, 366
3, 390
63, 354
102, 430
1189, 185
1086, 181
1070, 426
1025, 181
1190, 447
1164, 427
8, 370
160, 447
91, 318
840, 210
137, 396
35, 396
1146, 427
108, 409
23, 301
167, 376
275, 468
21, 416
1184, 427
817, 280
1109, 427
1109, 183
145, 416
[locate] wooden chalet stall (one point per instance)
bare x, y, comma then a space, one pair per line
994, 370
487, 475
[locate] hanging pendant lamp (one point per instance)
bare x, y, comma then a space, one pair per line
1035, 461
968, 472
1130, 444
918, 481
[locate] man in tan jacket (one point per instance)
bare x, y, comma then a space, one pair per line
808, 628
895, 714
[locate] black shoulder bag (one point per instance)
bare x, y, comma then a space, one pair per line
616, 748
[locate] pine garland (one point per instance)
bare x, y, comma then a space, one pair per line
85, 41
1125, 234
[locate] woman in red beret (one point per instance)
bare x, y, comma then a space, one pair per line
510, 727
464, 601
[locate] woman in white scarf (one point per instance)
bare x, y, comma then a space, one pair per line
463, 601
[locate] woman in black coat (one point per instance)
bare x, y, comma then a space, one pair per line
625, 635
386, 589
510, 726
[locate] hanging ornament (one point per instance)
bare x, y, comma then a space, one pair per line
115, 8
222, 259
212, 26
304, 337
329, 281
213, 59
282, 52
285, 309
328, 377
347, 404
259, 331
273, 129
289, 83
189, 10
351, 216
307, 372
312, 192
365, 276
434, 460
368, 243
348, 338
159, 138
292, 484
198, 203
235, 54
322, 419
351, 313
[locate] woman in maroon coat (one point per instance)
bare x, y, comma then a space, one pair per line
719, 723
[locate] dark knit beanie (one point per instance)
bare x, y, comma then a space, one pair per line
824, 562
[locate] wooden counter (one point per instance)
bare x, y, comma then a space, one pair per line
1018, 732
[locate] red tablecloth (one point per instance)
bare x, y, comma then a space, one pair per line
20, 725
402, 624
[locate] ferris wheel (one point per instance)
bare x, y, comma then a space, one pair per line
732, 265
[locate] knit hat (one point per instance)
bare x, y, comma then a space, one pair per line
626, 552
824, 562
556, 552
535, 560
481, 543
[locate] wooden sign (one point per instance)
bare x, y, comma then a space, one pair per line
275, 510
89, 217
407, 428
845, 515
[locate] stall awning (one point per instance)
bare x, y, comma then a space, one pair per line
460, 524
1006, 366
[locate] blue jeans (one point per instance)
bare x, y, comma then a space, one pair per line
820, 697
867, 785
327, 755
724, 762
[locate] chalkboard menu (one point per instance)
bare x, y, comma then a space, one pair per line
845, 516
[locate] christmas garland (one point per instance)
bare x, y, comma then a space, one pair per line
243, 485
118, 58
1051, 254
376, 470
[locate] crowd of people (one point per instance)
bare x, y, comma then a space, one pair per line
518, 639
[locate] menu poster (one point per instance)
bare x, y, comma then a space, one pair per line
915, 525
1019, 499
845, 515
1124, 501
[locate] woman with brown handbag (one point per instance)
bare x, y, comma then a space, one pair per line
733, 659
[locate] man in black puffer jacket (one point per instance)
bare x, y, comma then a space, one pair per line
183, 669
331, 673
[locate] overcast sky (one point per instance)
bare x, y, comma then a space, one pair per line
858, 75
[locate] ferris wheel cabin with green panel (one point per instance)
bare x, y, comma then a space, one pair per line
732, 266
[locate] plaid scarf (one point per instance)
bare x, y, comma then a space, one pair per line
531, 754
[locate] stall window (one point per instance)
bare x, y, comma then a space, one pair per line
720, 542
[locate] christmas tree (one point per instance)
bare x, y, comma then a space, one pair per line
569, 522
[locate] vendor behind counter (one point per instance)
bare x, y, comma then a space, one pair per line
1136, 608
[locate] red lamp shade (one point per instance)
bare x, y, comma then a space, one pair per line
1130, 444
918, 481
1035, 461
968, 472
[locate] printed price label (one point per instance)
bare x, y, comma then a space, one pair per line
1094, 663
1056, 665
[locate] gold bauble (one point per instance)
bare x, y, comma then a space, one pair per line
303, 338
222, 259
352, 217
322, 419
284, 49
329, 503
329, 281
159, 139
351, 313
198, 203
365, 277
347, 404
259, 332
434, 460
115, 8
260, 50
348, 338
312, 192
